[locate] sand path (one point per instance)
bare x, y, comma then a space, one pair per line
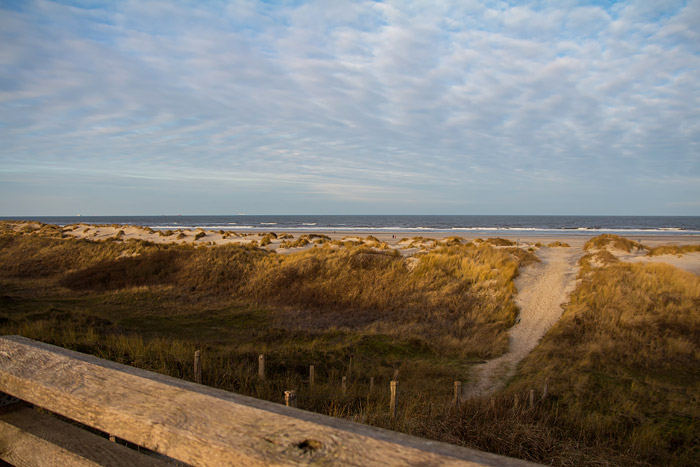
542, 290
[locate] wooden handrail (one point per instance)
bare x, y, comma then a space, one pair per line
204, 426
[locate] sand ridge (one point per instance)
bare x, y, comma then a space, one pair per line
689, 261
543, 289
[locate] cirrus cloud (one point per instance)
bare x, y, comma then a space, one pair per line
350, 107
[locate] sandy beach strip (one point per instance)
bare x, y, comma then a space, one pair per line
408, 243
219, 237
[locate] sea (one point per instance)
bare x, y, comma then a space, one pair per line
415, 224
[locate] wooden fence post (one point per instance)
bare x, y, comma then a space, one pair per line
261, 366
290, 398
545, 388
371, 383
344, 384
312, 375
532, 398
515, 402
458, 393
394, 386
197, 367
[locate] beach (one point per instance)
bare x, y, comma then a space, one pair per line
391, 237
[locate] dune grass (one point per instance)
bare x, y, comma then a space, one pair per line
150, 305
673, 250
456, 299
497, 241
621, 365
613, 241
298, 243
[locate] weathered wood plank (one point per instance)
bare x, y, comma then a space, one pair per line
205, 426
30, 438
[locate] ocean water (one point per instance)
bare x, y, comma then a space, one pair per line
520, 225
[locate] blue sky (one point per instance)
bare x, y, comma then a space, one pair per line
334, 107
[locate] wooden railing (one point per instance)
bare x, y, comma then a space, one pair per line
188, 422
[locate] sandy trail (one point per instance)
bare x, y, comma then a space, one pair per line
542, 290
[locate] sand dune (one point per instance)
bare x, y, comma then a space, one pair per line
689, 262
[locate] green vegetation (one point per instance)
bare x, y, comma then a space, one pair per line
559, 244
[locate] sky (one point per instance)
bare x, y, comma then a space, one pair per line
358, 107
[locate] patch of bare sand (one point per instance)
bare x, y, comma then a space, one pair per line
688, 262
542, 290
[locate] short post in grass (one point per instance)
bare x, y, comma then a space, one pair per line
458, 394
532, 398
197, 367
393, 404
545, 389
371, 384
290, 398
350, 362
261, 366
515, 402
312, 375
344, 384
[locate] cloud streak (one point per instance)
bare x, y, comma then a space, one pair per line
429, 106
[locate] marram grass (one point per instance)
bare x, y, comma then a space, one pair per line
621, 365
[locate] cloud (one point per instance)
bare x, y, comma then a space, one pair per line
412, 100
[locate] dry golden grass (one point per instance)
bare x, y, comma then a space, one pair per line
441, 300
151, 305
456, 299
623, 364
596, 259
453, 240
673, 250
613, 241
497, 241
298, 243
